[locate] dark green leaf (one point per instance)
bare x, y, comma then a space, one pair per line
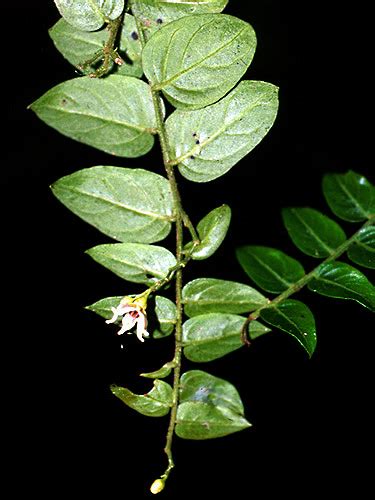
295, 318
362, 251
196, 60
350, 196
163, 372
339, 280
154, 14
209, 407
78, 46
166, 313
271, 269
129, 205
212, 230
312, 232
89, 15
104, 306
114, 114
208, 295
155, 403
211, 336
134, 262
208, 142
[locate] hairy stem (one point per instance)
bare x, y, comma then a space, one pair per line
181, 220
298, 285
108, 53
179, 214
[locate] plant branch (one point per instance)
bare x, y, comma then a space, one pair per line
298, 285
181, 219
108, 54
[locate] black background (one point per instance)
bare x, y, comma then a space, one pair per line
311, 418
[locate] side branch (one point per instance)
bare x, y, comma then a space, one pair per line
298, 285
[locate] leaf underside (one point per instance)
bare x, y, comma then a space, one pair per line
196, 60
114, 114
129, 205
208, 142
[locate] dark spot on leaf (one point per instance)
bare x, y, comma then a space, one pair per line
197, 141
195, 134
134, 35
192, 157
159, 20
63, 102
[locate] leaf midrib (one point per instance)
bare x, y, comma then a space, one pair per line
196, 150
165, 83
312, 232
354, 200
117, 204
271, 271
110, 121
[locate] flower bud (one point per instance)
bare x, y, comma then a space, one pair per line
157, 486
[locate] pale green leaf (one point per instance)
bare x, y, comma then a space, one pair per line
295, 318
155, 403
312, 232
339, 280
134, 261
103, 307
196, 60
212, 230
210, 407
129, 205
350, 196
271, 269
209, 295
163, 372
78, 46
208, 142
166, 313
211, 336
114, 114
362, 251
89, 15
154, 14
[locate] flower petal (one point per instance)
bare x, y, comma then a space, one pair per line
128, 321
141, 323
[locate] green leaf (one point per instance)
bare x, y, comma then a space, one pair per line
312, 232
208, 142
212, 230
211, 336
155, 403
114, 114
89, 15
163, 372
154, 14
350, 196
295, 318
196, 60
129, 205
103, 307
209, 295
80, 46
134, 261
362, 251
271, 269
166, 313
210, 407
339, 280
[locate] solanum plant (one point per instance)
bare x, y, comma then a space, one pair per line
172, 69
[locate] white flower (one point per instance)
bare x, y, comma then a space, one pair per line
133, 314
